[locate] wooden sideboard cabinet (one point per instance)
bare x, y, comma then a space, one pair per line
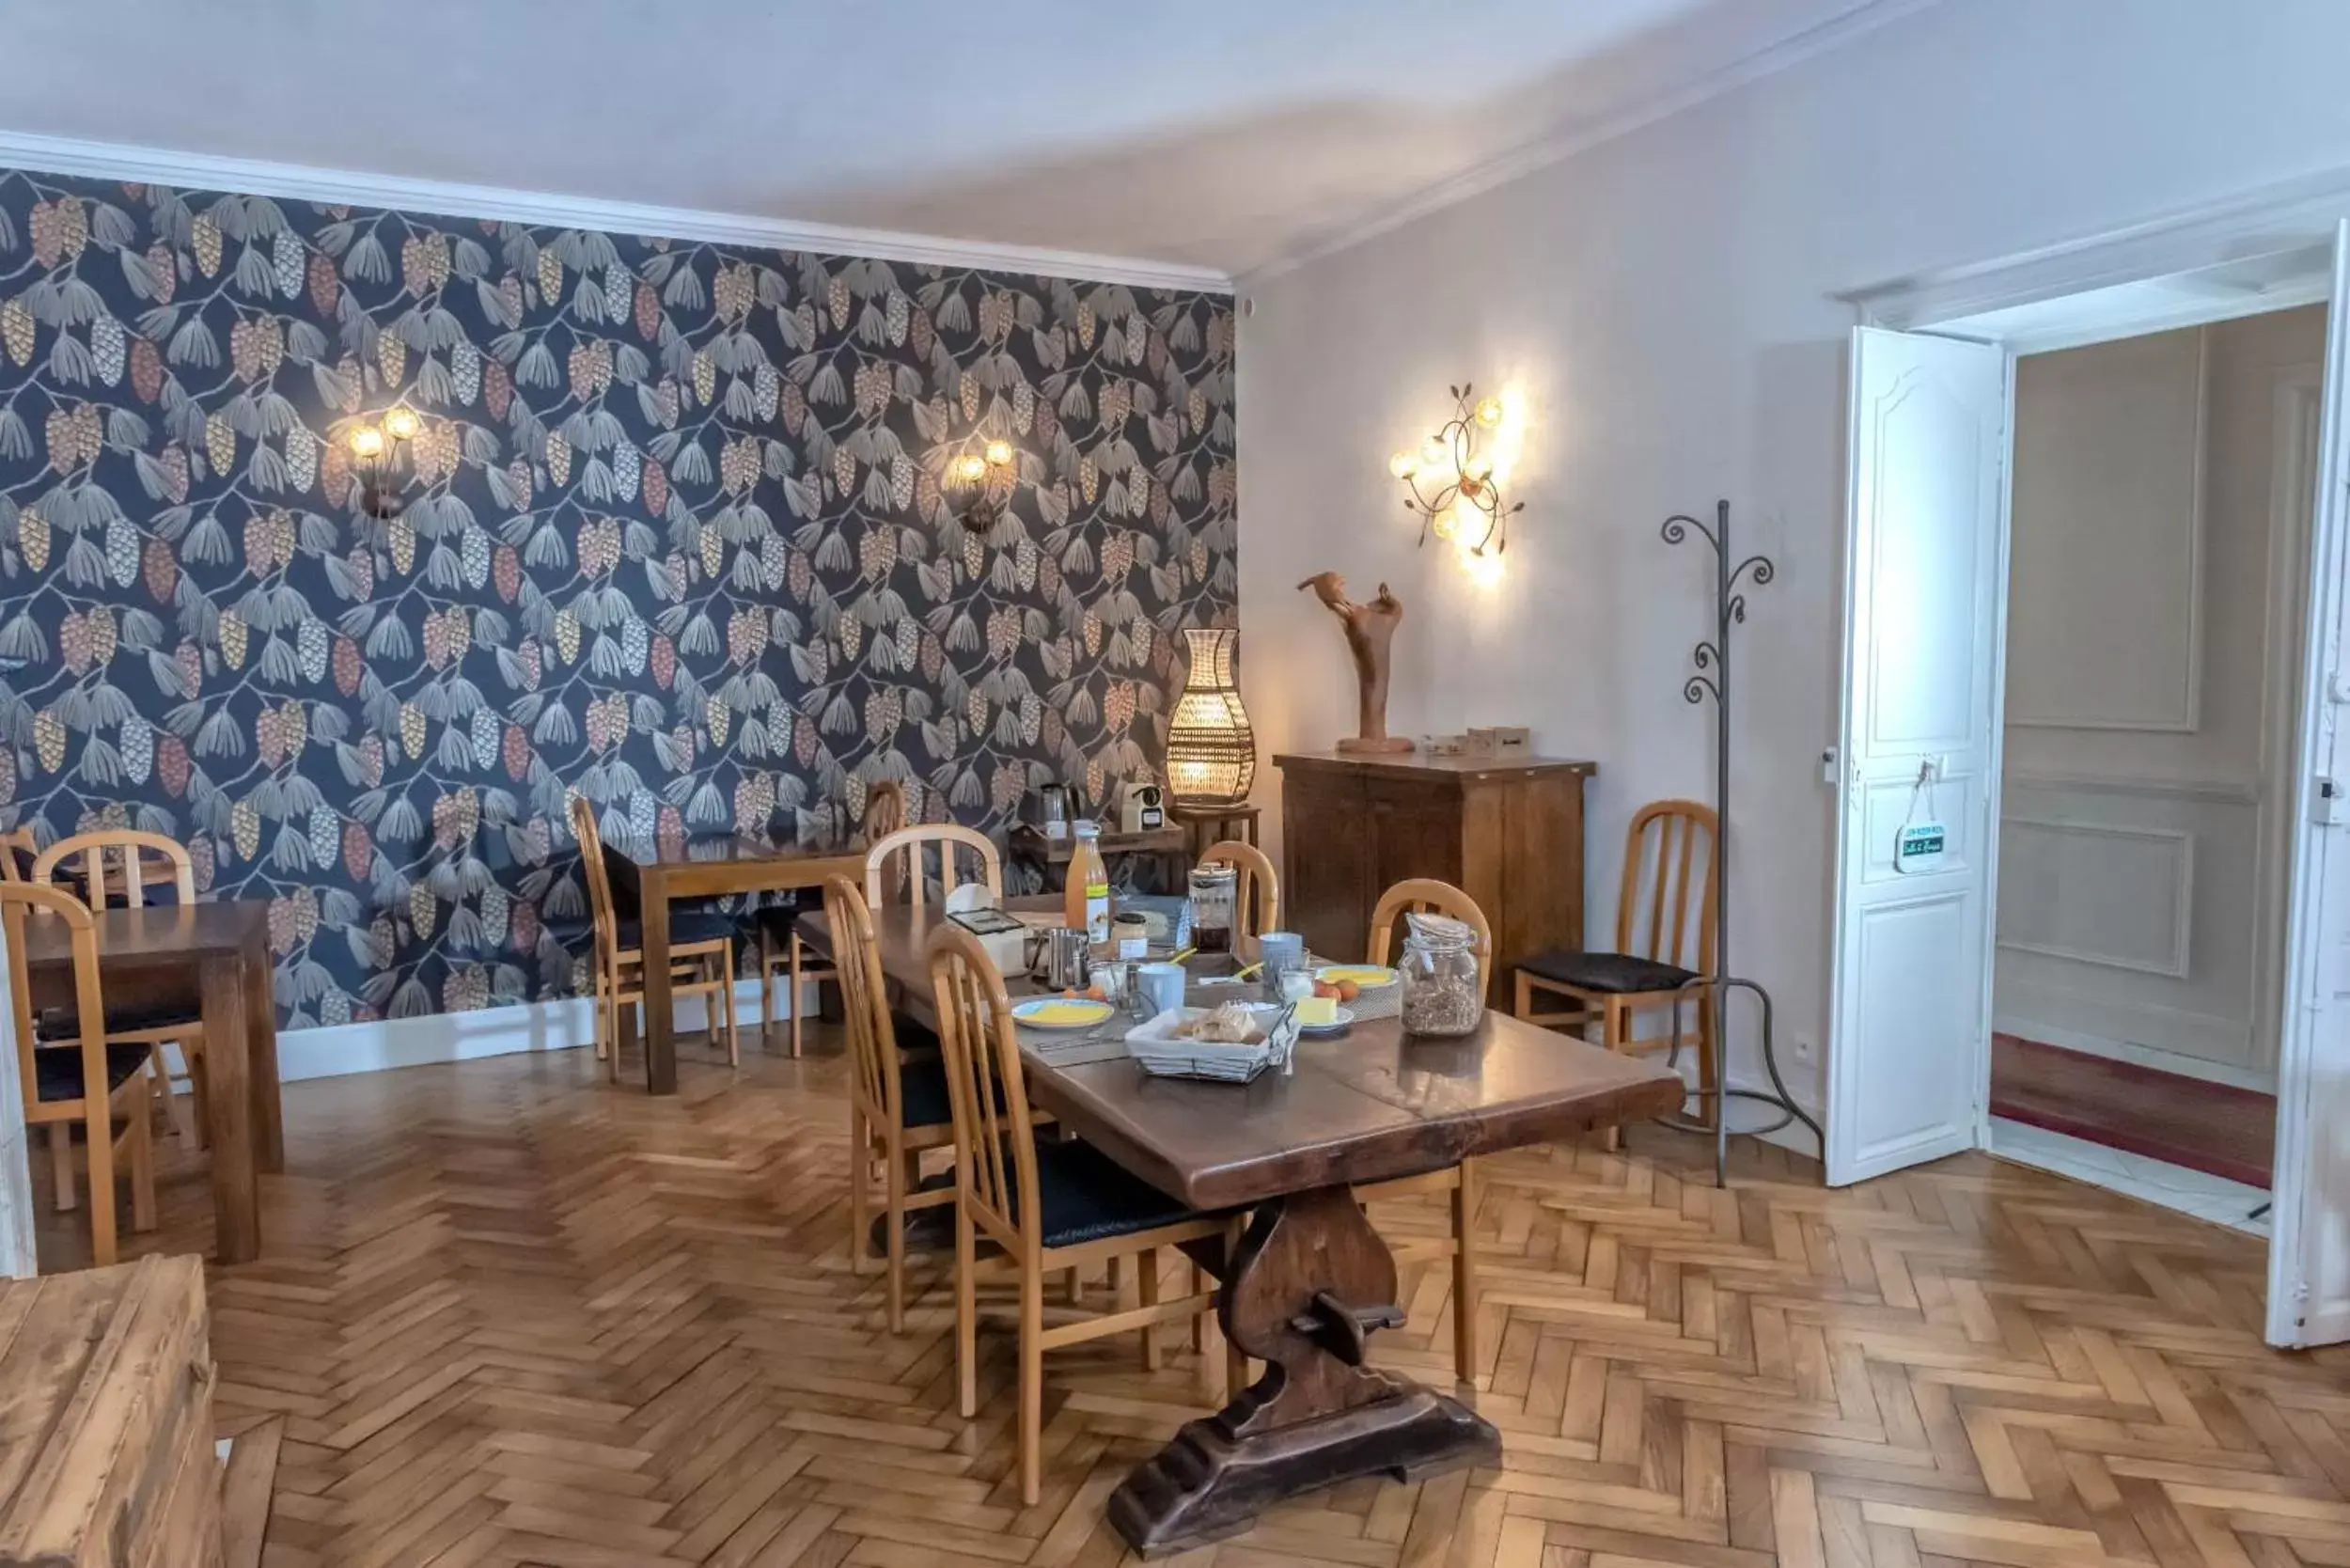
106, 1449
1509, 834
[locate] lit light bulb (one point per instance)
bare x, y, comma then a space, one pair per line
366, 442
999, 454
1402, 465
1446, 524
1477, 467
1432, 452
971, 469
401, 424
1489, 412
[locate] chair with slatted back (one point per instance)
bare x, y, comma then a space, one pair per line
57, 1074
898, 1108
1256, 887
119, 868
701, 953
1459, 1184
896, 866
1048, 1207
779, 942
1663, 940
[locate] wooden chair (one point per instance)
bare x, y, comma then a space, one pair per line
885, 814
59, 1075
113, 868
1459, 1184
17, 850
1664, 939
702, 954
898, 862
898, 1109
1049, 1207
1253, 877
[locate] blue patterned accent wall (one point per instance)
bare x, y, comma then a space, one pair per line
680, 533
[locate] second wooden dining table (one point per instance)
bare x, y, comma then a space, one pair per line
1312, 1279
650, 875
215, 957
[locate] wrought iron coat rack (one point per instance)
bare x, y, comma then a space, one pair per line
1712, 679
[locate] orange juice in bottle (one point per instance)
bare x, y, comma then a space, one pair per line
1086, 899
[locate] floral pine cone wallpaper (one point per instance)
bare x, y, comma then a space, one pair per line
678, 532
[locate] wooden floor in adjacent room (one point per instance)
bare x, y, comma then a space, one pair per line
509, 1314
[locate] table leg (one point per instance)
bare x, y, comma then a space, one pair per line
229, 1103
660, 1013
260, 1010
1311, 1281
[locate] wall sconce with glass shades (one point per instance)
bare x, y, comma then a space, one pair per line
379, 456
1453, 481
984, 480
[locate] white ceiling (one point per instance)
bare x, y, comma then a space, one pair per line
1223, 133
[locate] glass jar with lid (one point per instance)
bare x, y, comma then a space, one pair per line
1444, 985
1214, 905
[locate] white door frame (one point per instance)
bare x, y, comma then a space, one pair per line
2275, 220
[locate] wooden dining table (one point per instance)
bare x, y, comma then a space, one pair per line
215, 957
649, 876
1312, 1279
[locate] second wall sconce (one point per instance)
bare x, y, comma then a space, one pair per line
379, 455
1452, 481
984, 480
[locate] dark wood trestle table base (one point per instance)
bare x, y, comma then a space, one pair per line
1312, 1280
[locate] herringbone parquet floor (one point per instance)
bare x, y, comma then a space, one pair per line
509, 1315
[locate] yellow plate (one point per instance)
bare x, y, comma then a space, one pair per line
1361, 974
1061, 1012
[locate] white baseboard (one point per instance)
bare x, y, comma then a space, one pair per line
2173, 1062
334, 1051
1795, 1136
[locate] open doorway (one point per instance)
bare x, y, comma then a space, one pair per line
1955, 862
2160, 499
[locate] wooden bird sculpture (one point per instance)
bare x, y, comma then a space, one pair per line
1370, 634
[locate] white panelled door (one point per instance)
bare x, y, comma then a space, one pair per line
1908, 1039
2309, 1256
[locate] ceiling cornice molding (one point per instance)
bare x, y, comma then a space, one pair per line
1821, 39
67, 155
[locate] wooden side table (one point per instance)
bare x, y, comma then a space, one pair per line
1204, 825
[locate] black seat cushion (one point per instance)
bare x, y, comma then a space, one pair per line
776, 919
1084, 1195
57, 1069
1610, 974
923, 1100
686, 924
56, 1025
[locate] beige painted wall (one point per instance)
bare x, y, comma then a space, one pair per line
1668, 303
2160, 510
